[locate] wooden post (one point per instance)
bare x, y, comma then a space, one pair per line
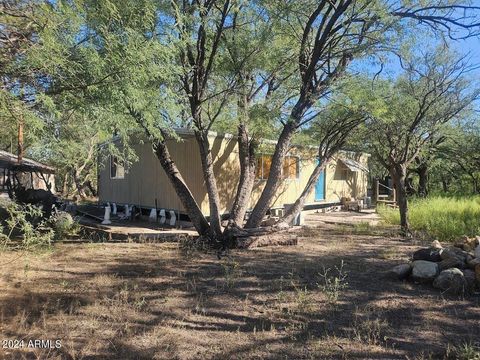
376, 189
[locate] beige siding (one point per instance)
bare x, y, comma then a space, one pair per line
145, 179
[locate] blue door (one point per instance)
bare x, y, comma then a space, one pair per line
320, 187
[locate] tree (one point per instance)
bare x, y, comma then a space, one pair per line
410, 112
457, 165
331, 131
169, 63
332, 35
19, 27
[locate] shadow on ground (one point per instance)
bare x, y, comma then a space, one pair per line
147, 301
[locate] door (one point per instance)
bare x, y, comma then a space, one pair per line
320, 187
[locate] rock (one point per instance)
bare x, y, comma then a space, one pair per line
451, 281
401, 271
473, 262
468, 244
471, 244
424, 271
477, 251
453, 262
469, 276
436, 245
453, 252
428, 254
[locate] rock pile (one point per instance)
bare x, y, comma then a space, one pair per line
454, 269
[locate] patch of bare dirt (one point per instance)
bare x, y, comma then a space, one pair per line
326, 298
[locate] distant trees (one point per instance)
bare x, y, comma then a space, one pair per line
455, 165
433, 91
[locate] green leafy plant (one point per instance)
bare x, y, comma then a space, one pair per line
333, 282
24, 227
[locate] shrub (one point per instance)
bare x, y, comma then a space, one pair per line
63, 224
445, 218
332, 284
22, 227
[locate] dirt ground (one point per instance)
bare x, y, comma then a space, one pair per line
157, 301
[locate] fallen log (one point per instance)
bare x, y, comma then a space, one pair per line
267, 240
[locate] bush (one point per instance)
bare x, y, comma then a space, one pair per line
63, 224
445, 218
22, 226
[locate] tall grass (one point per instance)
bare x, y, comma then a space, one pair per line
445, 218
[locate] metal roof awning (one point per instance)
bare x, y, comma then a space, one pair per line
353, 165
10, 161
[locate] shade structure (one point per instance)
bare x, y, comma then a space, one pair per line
353, 165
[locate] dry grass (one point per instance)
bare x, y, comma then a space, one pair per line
157, 301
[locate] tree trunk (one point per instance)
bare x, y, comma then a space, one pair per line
181, 188
88, 184
444, 185
409, 186
65, 185
422, 172
246, 149
476, 189
20, 146
297, 207
398, 173
210, 183
78, 184
274, 178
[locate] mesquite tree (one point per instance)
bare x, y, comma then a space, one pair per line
456, 165
334, 33
331, 132
167, 63
432, 91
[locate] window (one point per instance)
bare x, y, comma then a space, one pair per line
341, 172
290, 169
117, 170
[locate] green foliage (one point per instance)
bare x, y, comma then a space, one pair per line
23, 222
333, 282
455, 165
445, 218
63, 224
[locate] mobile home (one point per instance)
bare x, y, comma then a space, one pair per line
145, 184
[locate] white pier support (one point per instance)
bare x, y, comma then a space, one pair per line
106, 216
173, 218
163, 218
153, 215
